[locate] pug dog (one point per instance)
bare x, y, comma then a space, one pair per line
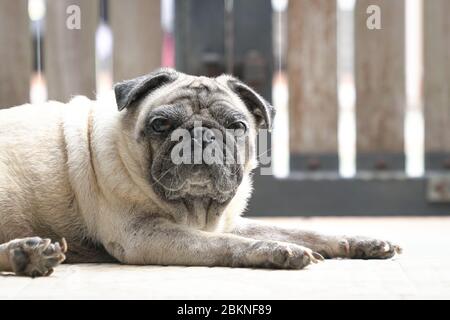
100, 177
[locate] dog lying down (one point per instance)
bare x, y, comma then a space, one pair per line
106, 176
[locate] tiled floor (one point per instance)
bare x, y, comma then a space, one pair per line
423, 271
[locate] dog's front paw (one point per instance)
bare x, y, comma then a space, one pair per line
36, 257
280, 255
369, 248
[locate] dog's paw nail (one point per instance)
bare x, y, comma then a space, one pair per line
318, 256
63, 245
49, 272
44, 245
346, 245
307, 259
398, 249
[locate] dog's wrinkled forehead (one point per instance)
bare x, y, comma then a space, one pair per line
196, 93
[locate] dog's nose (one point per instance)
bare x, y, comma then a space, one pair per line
202, 136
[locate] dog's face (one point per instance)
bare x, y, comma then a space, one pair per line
196, 134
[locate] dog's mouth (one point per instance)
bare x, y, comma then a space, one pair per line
218, 183
197, 193
197, 199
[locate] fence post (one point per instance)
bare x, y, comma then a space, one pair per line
200, 36
137, 32
70, 51
252, 47
437, 84
380, 85
15, 53
312, 72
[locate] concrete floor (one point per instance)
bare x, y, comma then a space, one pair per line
423, 271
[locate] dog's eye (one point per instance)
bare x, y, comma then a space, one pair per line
161, 125
238, 125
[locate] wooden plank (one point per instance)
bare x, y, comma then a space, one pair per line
15, 53
437, 83
252, 47
200, 36
323, 194
70, 53
312, 72
137, 31
380, 85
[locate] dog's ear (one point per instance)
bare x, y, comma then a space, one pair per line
262, 110
130, 91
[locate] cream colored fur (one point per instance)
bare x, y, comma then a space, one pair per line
74, 171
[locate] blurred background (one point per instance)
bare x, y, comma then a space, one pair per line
363, 124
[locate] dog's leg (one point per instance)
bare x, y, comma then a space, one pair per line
33, 257
327, 245
159, 242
